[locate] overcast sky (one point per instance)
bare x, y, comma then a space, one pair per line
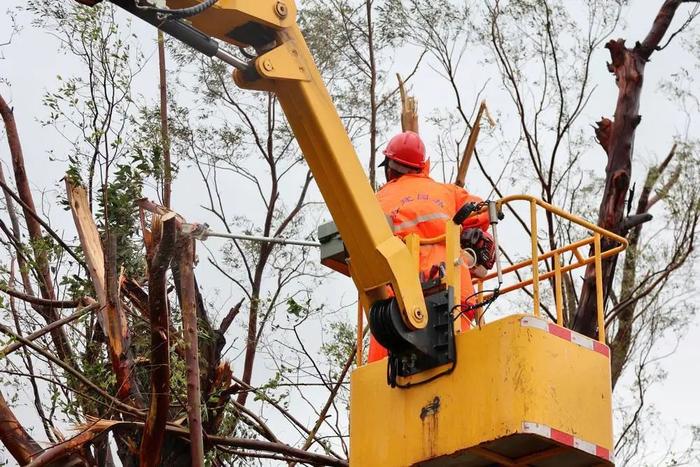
32, 61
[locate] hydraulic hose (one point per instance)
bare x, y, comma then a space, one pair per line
178, 14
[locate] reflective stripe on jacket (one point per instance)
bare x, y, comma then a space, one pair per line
415, 203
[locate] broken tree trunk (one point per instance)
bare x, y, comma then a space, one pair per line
409, 109
617, 139
103, 274
471, 144
160, 244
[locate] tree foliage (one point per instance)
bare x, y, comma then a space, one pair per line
274, 350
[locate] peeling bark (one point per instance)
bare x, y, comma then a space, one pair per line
13, 435
188, 305
159, 253
617, 139
46, 288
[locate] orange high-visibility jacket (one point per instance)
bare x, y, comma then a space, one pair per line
415, 203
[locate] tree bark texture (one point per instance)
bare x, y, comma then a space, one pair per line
617, 139
160, 243
58, 336
13, 435
188, 306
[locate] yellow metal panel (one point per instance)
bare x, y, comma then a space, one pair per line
282, 63
453, 264
225, 15
413, 244
506, 374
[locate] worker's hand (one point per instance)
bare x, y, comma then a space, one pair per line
482, 244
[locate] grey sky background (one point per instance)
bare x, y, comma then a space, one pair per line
32, 61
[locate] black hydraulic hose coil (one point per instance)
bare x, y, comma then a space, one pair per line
181, 13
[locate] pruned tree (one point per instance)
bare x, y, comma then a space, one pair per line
141, 361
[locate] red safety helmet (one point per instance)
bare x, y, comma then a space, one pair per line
407, 149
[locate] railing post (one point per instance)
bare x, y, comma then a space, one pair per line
557, 289
535, 258
480, 310
360, 332
599, 286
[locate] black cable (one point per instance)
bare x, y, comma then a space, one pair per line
247, 54
432, 378
178, 14
467, 308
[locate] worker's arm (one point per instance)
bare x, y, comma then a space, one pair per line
463, 197
475, 236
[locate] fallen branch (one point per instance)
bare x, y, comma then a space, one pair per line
100, 427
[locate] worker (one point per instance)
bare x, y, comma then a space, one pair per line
415, 203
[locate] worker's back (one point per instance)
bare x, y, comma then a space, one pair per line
415, 203
418, 204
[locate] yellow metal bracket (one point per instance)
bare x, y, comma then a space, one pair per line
282, 63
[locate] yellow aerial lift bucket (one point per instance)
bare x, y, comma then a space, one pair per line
523, 390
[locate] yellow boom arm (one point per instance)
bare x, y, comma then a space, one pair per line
285, 67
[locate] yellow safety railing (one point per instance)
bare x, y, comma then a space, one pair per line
597, 233
413, 242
